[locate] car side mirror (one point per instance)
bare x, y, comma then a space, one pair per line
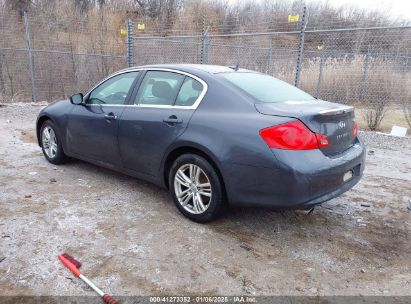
76, 99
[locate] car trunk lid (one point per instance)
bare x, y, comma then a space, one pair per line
334, 120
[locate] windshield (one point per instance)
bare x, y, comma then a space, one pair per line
266, 88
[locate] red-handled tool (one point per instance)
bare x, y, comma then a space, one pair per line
70, 262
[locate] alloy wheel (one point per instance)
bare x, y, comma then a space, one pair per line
192, 188
49, 142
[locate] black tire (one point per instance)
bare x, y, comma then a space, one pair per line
216, 204
59, 157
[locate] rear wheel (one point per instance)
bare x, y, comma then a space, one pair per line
51, 144
196, 188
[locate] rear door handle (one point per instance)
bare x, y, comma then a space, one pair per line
110, 116
172, 120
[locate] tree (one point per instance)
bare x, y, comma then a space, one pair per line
159, 8
85, 5
18, 5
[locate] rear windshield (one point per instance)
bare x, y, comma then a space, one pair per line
266, 88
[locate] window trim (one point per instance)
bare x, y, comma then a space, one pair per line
144, 70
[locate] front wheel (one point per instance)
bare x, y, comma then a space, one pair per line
196, 188
51, 144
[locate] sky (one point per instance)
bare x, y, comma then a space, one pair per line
397, 8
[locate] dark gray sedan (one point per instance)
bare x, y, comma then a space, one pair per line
212, 135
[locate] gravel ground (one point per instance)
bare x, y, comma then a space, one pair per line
132, 240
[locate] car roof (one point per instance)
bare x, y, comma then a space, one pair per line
208, 68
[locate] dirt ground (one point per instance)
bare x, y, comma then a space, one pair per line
132, 240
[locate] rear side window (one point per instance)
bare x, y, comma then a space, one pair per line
266, 88
159, 88
189, 92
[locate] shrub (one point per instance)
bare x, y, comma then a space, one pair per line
406, 107
343, 81
374, 113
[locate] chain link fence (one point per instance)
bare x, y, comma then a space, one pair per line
43, 60
351, 65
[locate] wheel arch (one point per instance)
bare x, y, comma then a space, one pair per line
190, 149
40, 122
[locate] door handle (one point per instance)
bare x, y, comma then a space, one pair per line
172, 120
110, 116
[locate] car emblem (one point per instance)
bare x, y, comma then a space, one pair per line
341, 124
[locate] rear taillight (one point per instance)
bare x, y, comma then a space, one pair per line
355, 129
293, 136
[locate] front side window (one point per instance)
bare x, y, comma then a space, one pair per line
159, 88
113, 90
266, 88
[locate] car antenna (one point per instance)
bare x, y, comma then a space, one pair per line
235, 67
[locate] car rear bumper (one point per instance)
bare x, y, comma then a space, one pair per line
299, 179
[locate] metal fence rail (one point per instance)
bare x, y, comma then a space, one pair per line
42, 60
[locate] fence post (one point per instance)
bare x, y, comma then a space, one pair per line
320, 75
270, 57
300, 47
405, 66
363, 84
204, 44
30, 56
130, 43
